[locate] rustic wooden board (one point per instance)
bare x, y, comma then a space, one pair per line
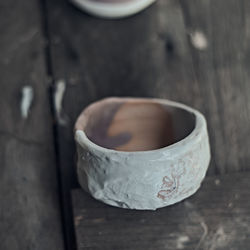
145, 55
216, 217
150, 55
29, 211
222, 71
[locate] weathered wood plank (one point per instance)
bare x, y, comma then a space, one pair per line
148, 55
217, 217
222, 70
29, 211
145, 55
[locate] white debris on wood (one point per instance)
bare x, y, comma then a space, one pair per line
217, 182
199, 40
204, 235
181, 241
221, 239
26, 100
78, 220
58, 98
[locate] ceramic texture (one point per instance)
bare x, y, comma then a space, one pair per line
143, 179
111, 8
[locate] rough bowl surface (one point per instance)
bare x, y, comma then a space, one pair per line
141, 153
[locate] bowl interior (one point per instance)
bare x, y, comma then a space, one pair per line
135, 125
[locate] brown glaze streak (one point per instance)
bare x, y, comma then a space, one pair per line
148, 124
170, 185
98, 125
168, 188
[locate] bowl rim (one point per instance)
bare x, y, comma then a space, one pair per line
200, 129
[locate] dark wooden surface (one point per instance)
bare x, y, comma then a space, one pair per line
30, 216
216, 217
153, 54
150, 54
222, 71
139, 56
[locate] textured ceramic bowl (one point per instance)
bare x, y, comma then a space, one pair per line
112, 8
141, 153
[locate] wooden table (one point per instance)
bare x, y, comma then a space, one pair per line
196, 52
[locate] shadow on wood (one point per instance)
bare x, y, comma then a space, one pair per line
216, 217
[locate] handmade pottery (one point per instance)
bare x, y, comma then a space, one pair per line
112, 8
141, 153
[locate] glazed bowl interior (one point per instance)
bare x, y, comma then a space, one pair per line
135, 124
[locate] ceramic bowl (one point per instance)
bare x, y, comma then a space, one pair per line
112, 8
141, 153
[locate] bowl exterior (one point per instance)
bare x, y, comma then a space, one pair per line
144, 180
113, 9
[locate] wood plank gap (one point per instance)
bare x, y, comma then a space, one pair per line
66, 212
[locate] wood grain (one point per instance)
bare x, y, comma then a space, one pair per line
29, 211
217, 217
151, 54
145, 55
222, 71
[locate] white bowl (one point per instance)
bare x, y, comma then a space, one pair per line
141, 153
113, 9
